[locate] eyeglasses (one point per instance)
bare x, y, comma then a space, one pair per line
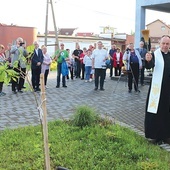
62, 45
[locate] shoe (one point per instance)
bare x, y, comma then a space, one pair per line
20, 91
46, 87
2, 94
86, 81
38, 89
82, 78
95, 88
90, 80
23, 87
57, 86
102, 89
137, 91
129, 91
65, 86
14, 92
142, 84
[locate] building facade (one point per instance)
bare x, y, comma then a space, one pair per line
141, 6
9, 34
157, 29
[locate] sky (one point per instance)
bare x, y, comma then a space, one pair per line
86, 15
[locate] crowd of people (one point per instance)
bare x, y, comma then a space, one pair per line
92, 63
86, 64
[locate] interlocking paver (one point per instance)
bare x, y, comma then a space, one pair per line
21, 109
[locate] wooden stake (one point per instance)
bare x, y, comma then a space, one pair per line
44, 124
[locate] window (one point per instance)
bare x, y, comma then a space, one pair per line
163, 28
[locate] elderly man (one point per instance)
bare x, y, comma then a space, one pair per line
36, 62
157, 116
99, 57
142, 52
18, 63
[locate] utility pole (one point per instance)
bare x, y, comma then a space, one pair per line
55, 28
46, 24
54, 23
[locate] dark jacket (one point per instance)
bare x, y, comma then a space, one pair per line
147, 46
142, 52
35, 59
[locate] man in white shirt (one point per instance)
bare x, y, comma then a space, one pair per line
99, 56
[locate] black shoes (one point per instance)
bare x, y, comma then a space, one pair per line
14, 92
95, 88
137, 91
102, 89
37, 90
63, 86
130, 91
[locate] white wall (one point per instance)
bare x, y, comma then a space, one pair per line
70, 44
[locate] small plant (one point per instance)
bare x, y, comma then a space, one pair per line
84, 116
148, 165
106, 121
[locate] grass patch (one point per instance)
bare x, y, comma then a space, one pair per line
96, 147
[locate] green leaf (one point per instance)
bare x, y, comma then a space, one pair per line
15, 64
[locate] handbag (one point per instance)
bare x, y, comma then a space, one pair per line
64, 68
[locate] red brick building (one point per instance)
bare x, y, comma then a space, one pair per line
9, 34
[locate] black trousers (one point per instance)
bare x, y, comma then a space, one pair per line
99, 72
77, 69
15, 84
36, 77
1, 86
117, 69
21, 78
111, 67
71, 72
82, 70
142, 75
45, 76
133, 73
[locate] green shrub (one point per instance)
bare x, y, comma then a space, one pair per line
84, 116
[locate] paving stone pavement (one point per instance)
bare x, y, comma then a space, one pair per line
20, 109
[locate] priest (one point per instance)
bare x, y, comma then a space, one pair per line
157, 113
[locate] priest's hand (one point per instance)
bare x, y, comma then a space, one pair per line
148, 57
